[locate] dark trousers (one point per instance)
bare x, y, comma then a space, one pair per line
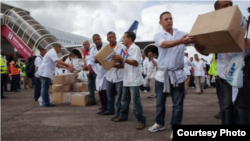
191, 82
237, 112
91, 86
19, 82
14, 82
103, 99
37, 89
2, 83
6, 82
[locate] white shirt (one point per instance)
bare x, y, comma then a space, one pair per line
132, 74
198, 68
37, 63
170, 58
151, 68
101, 82
223, 60
67, 61
114, 74
187, 65
47, 68
90, 58
144, 64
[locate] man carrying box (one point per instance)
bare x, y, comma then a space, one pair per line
131, 81
47, 69
232, 112
170, 75
115, 78
101, 83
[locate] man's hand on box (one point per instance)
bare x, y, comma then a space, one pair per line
200, 48
186, 40
117, 58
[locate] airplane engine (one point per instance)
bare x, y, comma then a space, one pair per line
153, 48
79, 52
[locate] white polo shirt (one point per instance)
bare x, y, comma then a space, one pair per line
114, 74
37, 63
199, 68
144, 64
187, 65
47, 68
151, 68
67, 61
170, 58
132, 74
90, 58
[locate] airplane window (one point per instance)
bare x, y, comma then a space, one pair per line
69, 42
61, 40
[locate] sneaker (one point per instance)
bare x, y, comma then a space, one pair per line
100, 113
145, 91
156, 127
114, 117
118, 119
171, 136
150, 96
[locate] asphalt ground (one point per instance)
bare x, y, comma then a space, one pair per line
22, 119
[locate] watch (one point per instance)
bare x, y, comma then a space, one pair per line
124, 61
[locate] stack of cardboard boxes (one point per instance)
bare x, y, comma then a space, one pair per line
67, 90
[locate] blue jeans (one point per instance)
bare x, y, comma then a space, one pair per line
37, 89
44, 91
112, 89
91, 86
178, 94
128, 94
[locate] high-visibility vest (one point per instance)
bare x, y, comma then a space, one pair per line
213, 67
23, 70
3, 65
14, 70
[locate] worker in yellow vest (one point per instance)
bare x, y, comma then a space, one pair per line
3, 72
15, 74
213, 71
26, 80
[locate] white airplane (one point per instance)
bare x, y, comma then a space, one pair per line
22, 35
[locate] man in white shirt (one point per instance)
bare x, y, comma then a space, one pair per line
46, 71
68, 61
100, 81
187, 66
38, 62
170, 76
144, 62
115, 78
233, 111
151, 71
131, 81
199, 74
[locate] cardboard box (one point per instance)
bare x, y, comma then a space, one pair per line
220, 31
80, 87
64, 79
61, 88
57, 98
104, 57
66, 97
79, 99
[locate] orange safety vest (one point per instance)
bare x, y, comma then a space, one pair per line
14, 70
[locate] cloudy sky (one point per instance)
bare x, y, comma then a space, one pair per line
86, 18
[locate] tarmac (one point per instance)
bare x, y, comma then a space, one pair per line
22, 119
